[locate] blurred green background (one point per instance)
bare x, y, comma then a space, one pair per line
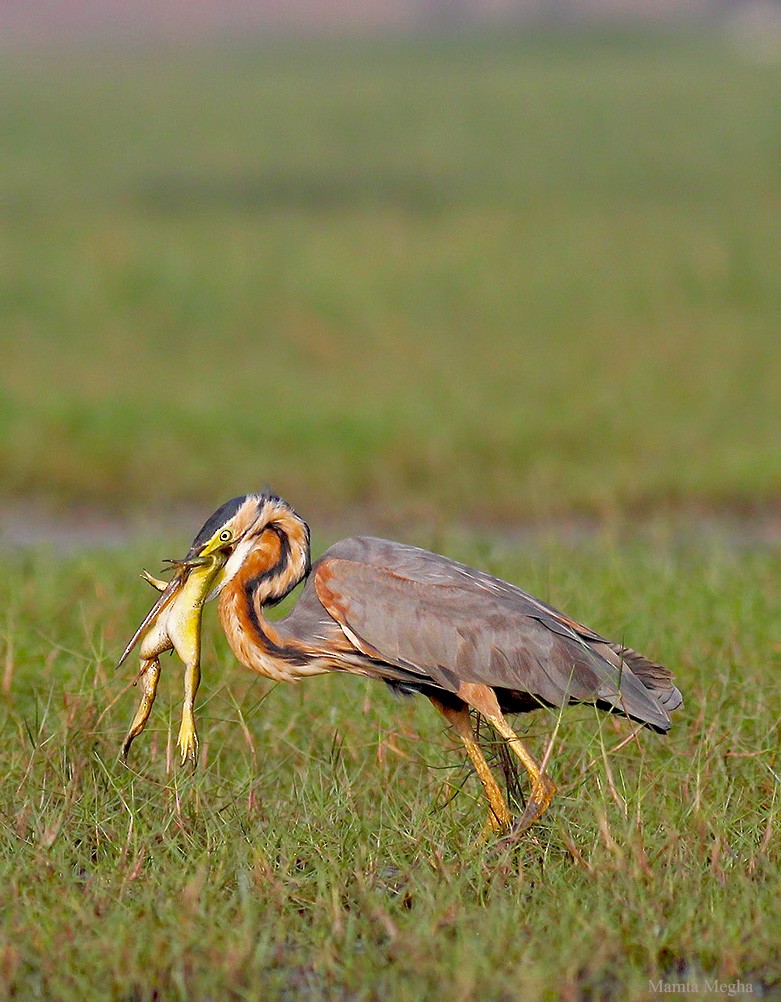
495, 278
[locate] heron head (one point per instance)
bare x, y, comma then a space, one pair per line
225, 528
249, 525
257, 534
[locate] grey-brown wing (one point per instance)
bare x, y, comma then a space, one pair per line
453, 629
433, 569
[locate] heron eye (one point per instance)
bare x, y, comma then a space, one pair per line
225, 535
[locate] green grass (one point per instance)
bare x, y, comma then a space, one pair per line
314, 854
485, 277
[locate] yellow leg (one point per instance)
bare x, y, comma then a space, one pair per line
188, 739
543, 788
149, 676
499, 817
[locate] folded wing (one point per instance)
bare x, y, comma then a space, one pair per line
448, 623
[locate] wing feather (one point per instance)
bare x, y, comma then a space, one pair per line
446, 622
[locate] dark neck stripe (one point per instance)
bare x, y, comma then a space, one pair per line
266, 577
285, 653
277, 570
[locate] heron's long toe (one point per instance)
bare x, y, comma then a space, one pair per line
493, 829
499, 820
539, 801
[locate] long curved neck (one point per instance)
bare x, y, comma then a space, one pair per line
278, 561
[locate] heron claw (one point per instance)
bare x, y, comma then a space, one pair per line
539, 801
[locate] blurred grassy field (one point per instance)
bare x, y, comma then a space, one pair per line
488, 278
326, 848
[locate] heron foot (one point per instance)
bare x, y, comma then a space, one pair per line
493, 829
542, 794
499, 820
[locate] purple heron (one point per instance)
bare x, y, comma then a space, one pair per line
420, 622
